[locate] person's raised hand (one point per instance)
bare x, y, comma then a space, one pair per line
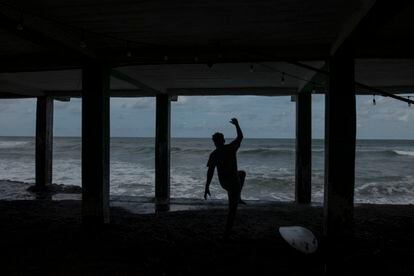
234, 121
206, 192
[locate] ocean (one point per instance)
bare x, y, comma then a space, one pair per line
384, 168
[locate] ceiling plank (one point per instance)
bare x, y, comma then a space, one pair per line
368, 20
44, 33
235, 91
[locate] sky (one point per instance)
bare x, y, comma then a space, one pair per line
259, 117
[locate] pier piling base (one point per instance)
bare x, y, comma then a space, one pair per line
44, 142
162, 152
340, 136
303, 176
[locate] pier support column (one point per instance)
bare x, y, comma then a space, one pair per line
95, 143
162, 152
303, 176
44, 141
340, 136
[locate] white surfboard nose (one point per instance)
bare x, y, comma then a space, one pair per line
299, 238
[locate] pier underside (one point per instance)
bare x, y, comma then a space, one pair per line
55, 50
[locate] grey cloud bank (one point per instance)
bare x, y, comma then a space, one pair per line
260, 117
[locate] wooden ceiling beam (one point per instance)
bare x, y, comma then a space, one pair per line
233, 91
8, 95
358, 85
121, 93
197, 91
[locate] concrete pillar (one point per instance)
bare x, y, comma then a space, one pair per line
44, 141
95, 143
162, 152
303, 176
340, 136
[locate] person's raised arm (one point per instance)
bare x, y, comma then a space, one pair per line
238, 129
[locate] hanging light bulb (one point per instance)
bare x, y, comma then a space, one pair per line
282, 79
19, 25
251, 68
374, 102
82, 44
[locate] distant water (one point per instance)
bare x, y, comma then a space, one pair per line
384, 168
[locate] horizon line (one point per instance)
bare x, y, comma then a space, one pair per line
181, 137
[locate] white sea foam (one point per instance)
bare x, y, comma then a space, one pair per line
399, 191
12, 144
67, 171
15, 170
131, 179
269, 177
404, 152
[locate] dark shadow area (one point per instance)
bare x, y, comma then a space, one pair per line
47, 192
46, 237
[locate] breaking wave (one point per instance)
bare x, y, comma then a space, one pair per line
12, 144
383, 174
403, 152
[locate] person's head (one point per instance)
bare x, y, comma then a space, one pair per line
218, 139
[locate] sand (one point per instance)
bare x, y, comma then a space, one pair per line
46, 237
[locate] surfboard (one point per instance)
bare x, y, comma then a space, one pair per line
299, 238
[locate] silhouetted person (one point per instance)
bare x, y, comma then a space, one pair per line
230, 178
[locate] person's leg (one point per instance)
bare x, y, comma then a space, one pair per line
242, 177
234, 197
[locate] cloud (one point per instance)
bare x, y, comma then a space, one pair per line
132, 103
4, 107
201, 116
143, 103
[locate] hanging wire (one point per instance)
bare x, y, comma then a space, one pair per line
75, 28
315, 84
83, 44
361, 85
